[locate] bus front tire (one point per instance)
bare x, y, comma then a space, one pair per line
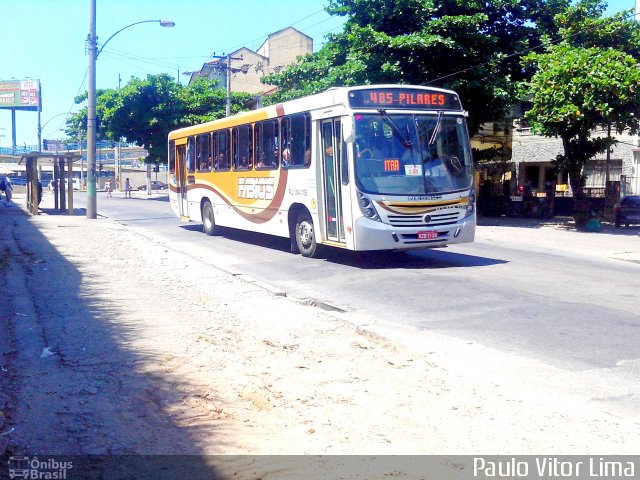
208, 222
305, 235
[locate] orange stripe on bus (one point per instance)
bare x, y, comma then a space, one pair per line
263, 216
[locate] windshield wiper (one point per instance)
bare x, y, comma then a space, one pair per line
436, 129
406, 141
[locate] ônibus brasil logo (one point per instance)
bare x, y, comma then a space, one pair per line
32, 468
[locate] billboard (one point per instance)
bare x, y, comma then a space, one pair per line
20, 94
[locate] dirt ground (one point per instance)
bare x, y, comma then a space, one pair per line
111, 343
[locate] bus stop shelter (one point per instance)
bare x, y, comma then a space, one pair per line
62, 164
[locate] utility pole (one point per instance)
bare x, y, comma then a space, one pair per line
92, 205
39, 115
81, 159
228, 109
91, 103
228, 72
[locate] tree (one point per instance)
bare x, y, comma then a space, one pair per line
579, 86
467, 46
145, 111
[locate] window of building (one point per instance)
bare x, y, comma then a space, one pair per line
595, 171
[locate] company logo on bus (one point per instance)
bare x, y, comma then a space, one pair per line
256, 188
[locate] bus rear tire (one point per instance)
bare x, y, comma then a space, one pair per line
208, 221
305, 235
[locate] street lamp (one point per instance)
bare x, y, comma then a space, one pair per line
91, 103
41, 129
163, 23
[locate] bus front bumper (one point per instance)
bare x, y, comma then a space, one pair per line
372, 235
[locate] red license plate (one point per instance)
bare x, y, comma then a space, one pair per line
427, 235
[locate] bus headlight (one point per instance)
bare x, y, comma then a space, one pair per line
471, 206
367, 208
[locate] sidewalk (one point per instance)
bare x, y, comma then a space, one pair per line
115, 344
561, 235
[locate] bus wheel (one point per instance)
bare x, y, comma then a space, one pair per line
208, 222
305, 236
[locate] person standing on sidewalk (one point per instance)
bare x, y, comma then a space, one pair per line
127, 188
5, 186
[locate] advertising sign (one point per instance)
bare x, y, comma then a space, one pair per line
20, 94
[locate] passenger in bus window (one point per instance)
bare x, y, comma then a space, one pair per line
244, 162
221, 162
286, 157
307, 157
260, 161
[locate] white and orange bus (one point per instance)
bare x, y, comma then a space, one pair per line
384, 167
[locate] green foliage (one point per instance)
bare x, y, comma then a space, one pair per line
589, 79
584, 25
433, 42
145, 111
486, 155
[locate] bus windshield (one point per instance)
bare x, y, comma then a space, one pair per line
405, 154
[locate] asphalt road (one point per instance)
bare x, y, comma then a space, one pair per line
573, 308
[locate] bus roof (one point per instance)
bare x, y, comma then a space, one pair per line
330, 97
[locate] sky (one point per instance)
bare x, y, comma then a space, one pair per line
46, 40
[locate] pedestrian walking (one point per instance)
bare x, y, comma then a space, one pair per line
107, 186
5, 186
127, 188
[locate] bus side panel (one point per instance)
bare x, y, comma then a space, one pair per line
299, 189
216, 188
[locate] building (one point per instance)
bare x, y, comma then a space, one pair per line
532, 156
279, 50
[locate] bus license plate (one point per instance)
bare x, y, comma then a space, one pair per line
427, 235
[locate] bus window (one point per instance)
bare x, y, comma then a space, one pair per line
172, 157
342, 153
203, 152
191, 154
221, 150
242, 147
296, 140
267, 144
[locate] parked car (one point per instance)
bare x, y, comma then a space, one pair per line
628, 211
155, 185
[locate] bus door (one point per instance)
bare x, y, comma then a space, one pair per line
332, 169
181, 180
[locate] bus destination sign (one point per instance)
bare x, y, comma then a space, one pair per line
403, 98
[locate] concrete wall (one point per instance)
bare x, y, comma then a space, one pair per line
250, 81
283, 47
